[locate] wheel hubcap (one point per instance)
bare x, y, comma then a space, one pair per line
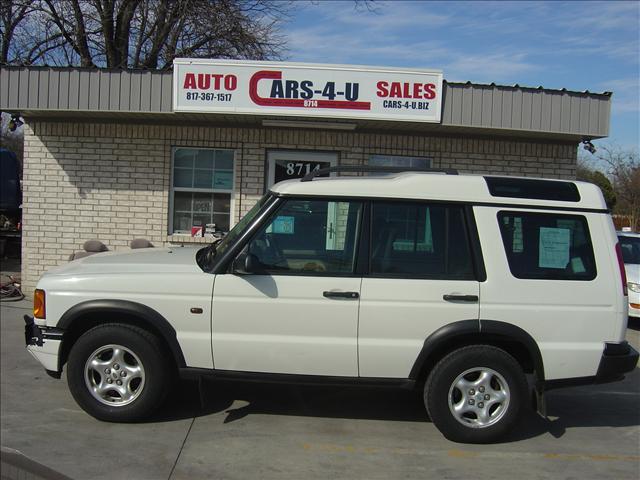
479, 397
114, 375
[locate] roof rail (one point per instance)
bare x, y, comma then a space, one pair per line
355, 168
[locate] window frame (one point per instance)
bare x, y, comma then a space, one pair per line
410, 158
173, 189
274, 155
557, 215
363, 246
628, 239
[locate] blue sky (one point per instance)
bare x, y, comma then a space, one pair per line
580, 46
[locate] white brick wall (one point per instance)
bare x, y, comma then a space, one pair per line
111, 181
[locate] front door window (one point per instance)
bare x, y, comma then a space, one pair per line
309, 236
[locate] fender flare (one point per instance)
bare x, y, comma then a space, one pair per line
495, 329
145, 314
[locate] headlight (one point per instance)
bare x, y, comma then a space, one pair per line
634, 287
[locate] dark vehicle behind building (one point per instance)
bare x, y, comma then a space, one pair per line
10, 204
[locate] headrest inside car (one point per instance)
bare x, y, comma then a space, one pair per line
94, 246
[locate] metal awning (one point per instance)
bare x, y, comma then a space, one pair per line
146, 96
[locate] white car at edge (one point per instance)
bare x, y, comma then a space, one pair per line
630, 244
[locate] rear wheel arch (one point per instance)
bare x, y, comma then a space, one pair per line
506, 336
84, 316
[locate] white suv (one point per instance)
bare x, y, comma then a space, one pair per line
463, 286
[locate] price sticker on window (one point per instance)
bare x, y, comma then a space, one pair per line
284, 225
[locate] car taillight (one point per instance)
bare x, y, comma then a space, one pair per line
623, 274
39, 310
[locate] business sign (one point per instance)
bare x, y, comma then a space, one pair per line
309, 90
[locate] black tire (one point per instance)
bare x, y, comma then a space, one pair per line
477, 425
147, 389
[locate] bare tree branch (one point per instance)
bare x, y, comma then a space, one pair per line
142, 33
12, 14
623, 168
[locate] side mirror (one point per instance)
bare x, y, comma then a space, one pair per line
245, 264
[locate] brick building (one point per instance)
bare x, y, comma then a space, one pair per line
108, 156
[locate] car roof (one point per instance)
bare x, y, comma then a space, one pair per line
628, 234
434, 186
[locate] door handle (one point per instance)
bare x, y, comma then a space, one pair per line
460, 298
331, 294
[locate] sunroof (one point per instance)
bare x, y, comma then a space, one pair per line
533, 188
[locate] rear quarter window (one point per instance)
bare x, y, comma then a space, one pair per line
547, 246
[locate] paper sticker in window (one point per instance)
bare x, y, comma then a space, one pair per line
577, 265
284, 225
554, 247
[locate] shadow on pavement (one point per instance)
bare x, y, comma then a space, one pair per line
274, 399
610, 405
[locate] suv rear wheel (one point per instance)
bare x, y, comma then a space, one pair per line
117, 373
475, 394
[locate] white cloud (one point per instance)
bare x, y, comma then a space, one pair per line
626, 94
598, 46
497, 67
504, 42
321, 43
384, 16
328, 44
600, 16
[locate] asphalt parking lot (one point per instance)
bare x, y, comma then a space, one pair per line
258, 431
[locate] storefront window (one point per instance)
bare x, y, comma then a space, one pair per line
399, 161
202, 189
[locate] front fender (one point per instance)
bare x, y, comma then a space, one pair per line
144, 316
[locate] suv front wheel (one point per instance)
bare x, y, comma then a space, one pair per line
475, 394
118, 373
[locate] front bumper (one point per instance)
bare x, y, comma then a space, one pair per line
44, 344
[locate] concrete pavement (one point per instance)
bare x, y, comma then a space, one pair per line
270, 431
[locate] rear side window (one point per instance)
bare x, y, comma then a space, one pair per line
420, 240
547, 246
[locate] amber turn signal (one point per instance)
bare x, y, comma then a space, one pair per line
39, 310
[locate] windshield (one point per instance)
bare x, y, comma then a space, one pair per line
218, 248
630, 249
